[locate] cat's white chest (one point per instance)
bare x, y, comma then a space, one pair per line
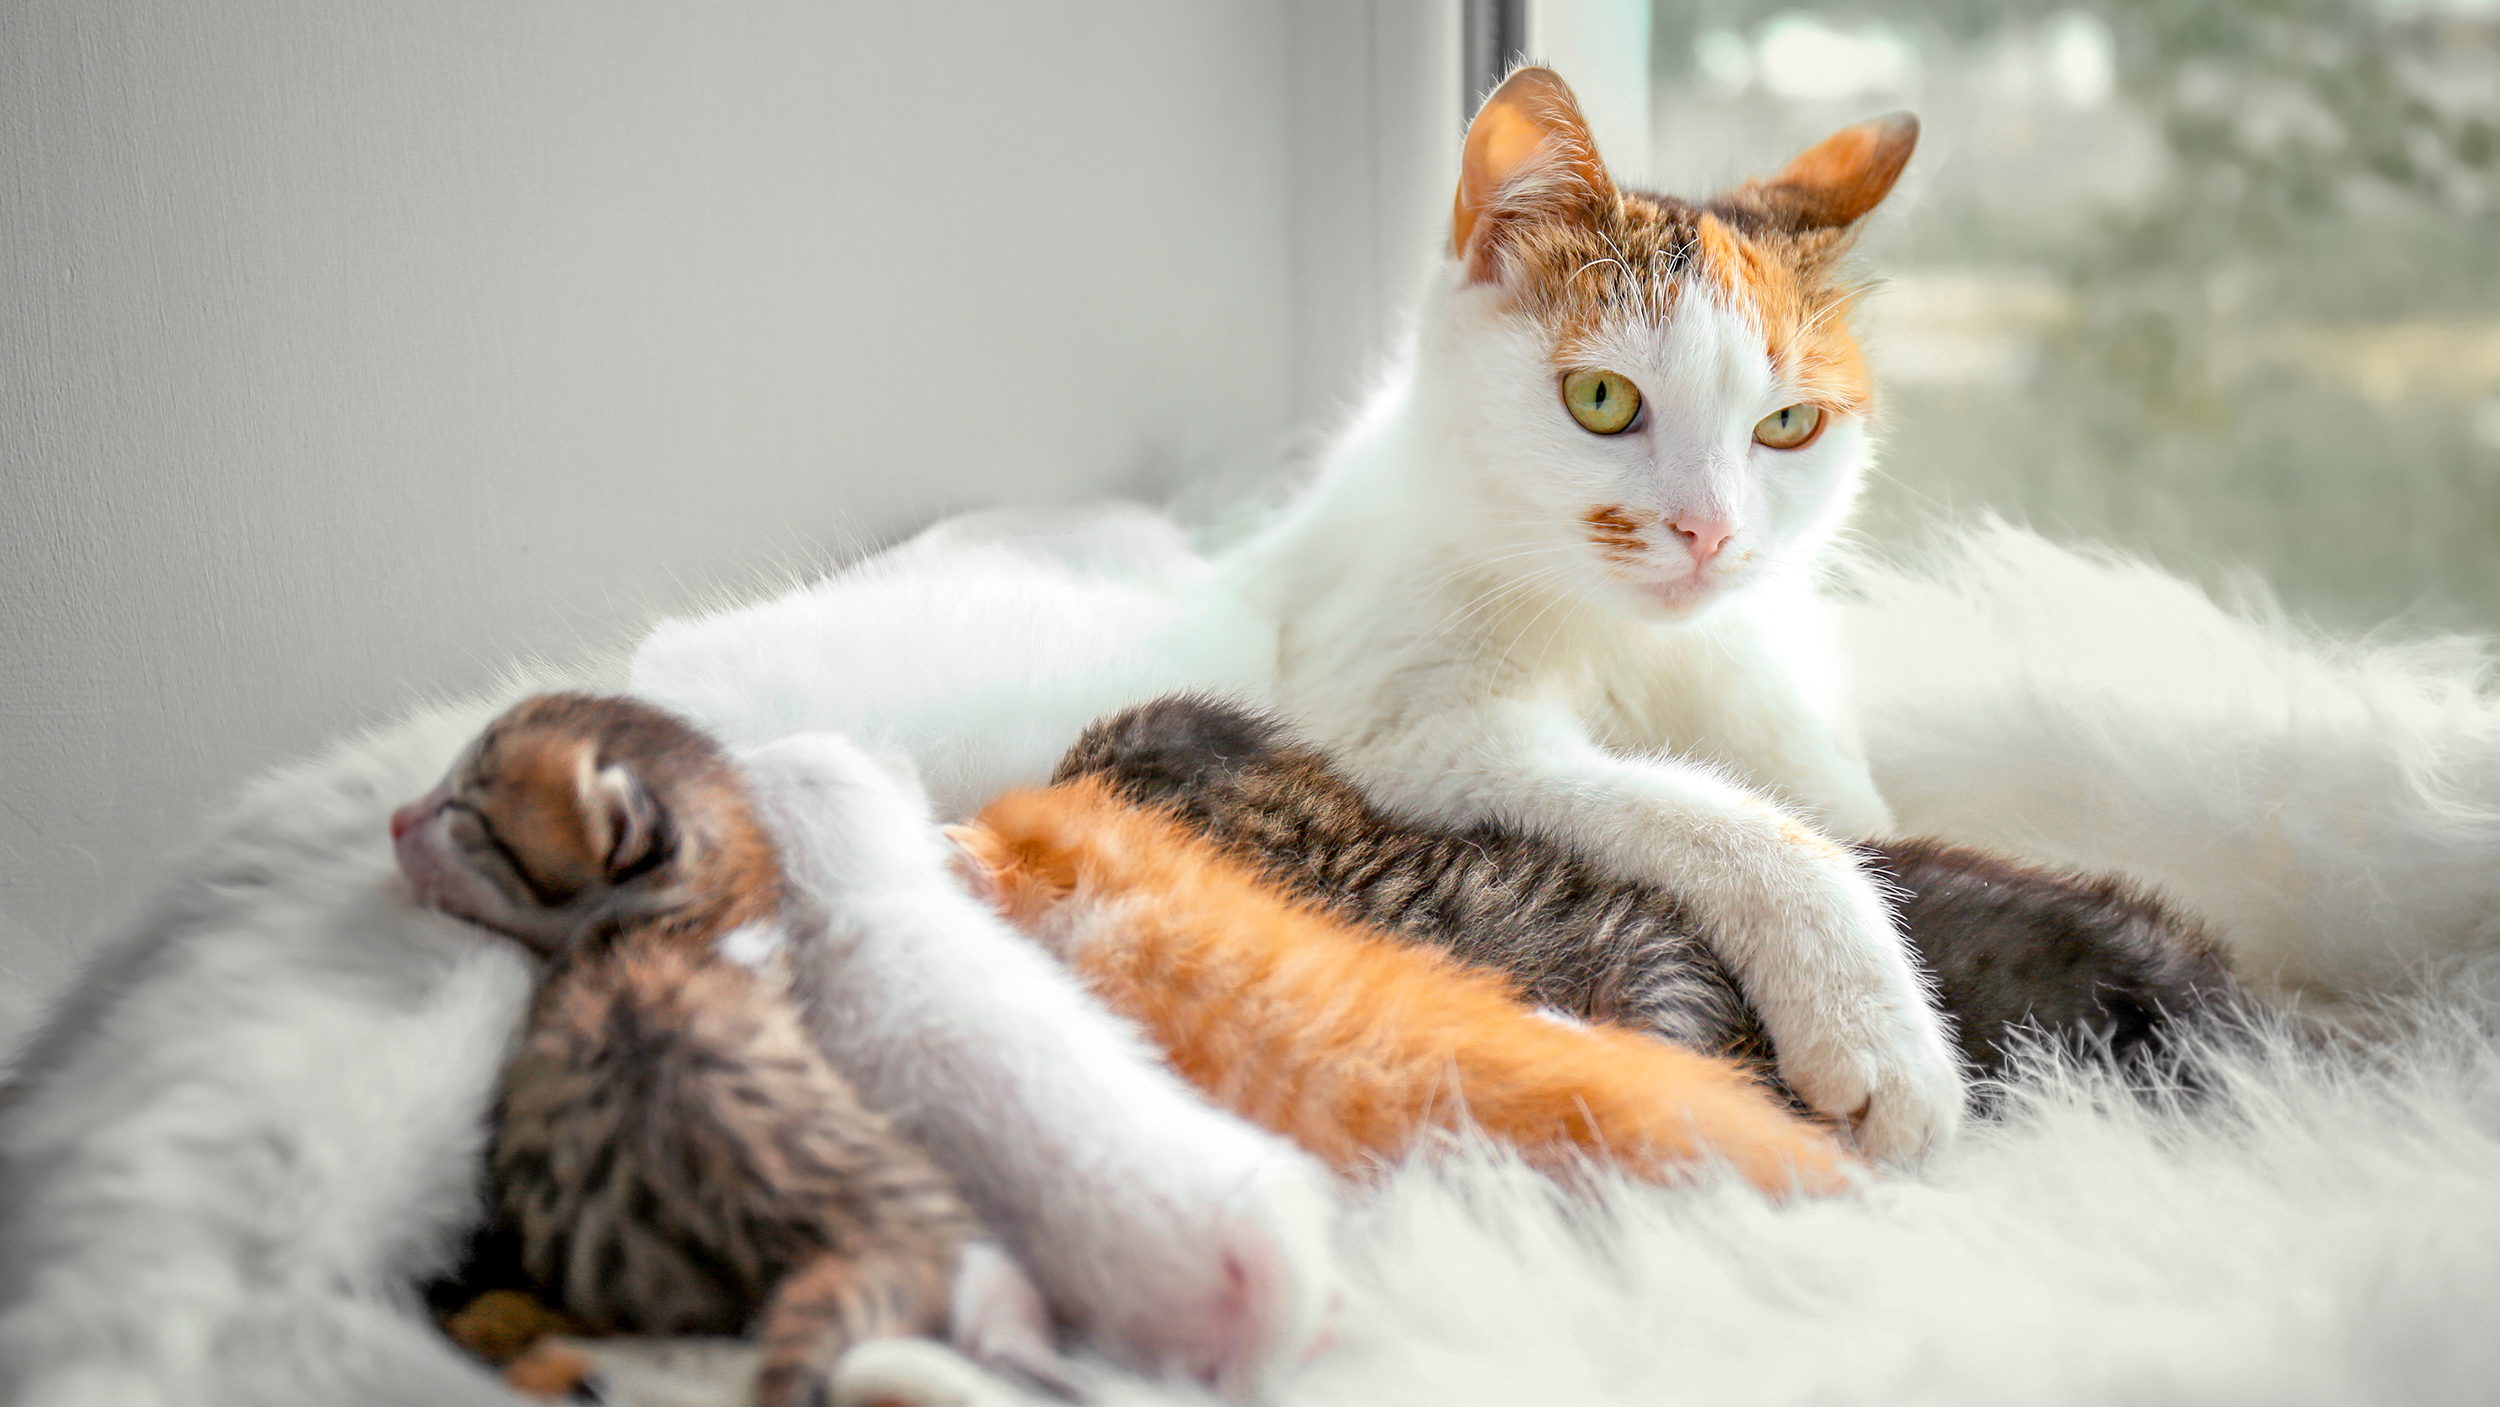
1747, 690
1646, 696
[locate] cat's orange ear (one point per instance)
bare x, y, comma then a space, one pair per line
1837, 180
1529, 157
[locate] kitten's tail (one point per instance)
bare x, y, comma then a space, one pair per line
843, 1298
1665, 1112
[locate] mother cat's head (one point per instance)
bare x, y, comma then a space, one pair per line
1659, 396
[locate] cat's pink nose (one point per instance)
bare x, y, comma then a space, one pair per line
1703, 537
406, 817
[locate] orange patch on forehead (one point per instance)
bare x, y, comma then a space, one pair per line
1636, 261
1629, 264
1781, 283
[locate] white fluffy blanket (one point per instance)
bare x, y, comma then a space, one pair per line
241, 1136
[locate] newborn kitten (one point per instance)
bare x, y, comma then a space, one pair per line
2097, 967
1175, 1237
671, 1147
1355, 1044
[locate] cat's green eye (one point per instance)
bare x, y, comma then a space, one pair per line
1790, 427
1604, 402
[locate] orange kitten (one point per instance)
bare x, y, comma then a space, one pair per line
1356, 1045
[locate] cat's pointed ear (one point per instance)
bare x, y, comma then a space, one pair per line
1835, 182
1529, 157
977, 860
624, 821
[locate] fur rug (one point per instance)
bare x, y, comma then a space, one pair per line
245, 1133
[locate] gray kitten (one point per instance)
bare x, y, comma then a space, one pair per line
2017, 953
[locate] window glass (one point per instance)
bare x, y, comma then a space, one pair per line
2219, 283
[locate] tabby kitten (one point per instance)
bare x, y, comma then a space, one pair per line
1355, 1044
2016, 952
670, 1146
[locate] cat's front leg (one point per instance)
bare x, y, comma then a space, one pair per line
1803, 928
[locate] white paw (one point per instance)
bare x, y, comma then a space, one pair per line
1858, 1039
916, 1373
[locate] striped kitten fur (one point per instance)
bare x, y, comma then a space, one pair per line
2015, 952
1356, 1045
670, 1148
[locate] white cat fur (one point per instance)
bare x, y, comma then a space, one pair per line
1178, 1238
1448, 629
981, 659
2333, 810
253, 1127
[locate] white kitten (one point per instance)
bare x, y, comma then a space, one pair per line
1560, 573
1179, 1239
253, 1128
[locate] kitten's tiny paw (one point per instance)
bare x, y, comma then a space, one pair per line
918, 1373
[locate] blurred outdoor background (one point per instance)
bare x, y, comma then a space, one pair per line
2218, 282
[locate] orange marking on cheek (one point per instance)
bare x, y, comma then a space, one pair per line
1615, 530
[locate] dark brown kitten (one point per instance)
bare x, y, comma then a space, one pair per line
671, 1149
2017, 953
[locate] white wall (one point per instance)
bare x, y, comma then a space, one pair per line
351, 351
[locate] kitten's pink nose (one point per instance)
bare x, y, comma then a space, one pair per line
405, 818
1703, 537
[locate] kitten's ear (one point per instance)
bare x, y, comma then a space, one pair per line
1529, 157
1837, 180
977, 861
624, 820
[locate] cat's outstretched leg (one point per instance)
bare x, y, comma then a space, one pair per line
1800, 924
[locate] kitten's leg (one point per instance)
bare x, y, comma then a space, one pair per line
918, 1373
843, 1298
1805, 931
999, 1319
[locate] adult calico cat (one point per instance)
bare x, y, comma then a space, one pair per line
1559, 576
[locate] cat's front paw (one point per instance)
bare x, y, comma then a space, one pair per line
1899, 1095
1857, 1037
